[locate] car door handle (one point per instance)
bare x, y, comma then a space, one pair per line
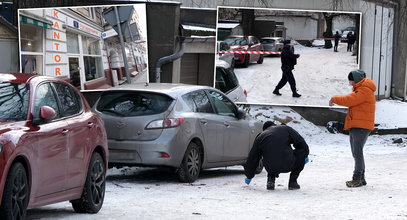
90, 124
204, 122
65, 131
226, 124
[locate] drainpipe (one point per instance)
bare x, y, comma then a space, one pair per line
168, 59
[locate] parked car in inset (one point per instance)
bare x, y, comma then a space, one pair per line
227, 57
227, 82
272, 44
245, 43
53, 148
185, 127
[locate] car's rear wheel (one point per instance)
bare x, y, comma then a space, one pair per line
93, 193
246, 60
190, 167
260, 61
15, 195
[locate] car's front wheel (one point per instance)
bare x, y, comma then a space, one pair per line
93, 193
15, 195
190, 167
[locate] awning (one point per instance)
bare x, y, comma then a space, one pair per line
37, 21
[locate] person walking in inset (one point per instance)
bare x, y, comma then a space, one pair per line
274, 145
351, 40
359, 120
288, 61
337, 36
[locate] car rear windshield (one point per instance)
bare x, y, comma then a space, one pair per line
236, 41
225, 80
268, 41
133, 103
14, 98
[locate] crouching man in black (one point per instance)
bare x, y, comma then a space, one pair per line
274, 146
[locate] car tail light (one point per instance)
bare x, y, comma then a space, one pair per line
165, 155
165, 123
245, 92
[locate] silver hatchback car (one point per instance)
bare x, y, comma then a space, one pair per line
182, 126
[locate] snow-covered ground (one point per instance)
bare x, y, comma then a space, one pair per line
147, 193
319, 74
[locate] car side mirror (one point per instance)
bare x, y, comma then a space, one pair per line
46, 113
241, 114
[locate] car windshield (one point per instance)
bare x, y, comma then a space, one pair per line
268, 41
236, 41
133, 103
14, 101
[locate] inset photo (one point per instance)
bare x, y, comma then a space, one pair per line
287, 57
87, 46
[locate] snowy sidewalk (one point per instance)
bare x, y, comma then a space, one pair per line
147, 193
319, 74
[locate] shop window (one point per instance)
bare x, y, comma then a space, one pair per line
72, 43
31, 38
31, 64
93, 67
90, 46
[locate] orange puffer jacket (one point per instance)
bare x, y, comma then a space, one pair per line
361, 103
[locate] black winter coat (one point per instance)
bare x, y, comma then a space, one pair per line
337, 37
274, 145
288, 59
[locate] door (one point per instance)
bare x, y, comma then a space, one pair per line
254, 45
189, 68
210, 123
80, 136
382, 50
74, 72
236, 132
51, 151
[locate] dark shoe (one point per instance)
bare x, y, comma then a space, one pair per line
271, 181
296, 95
292, 183
355, 182
275, 92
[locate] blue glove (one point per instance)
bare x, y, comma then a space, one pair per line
306, 160
247, 180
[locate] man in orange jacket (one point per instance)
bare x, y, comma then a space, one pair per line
359, 119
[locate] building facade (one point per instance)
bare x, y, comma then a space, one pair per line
72, 43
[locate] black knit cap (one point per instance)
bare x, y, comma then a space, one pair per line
350, 76
287, 42
356, 75
268, 124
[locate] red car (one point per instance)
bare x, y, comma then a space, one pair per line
245, 43
53, 148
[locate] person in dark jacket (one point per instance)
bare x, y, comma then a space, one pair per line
351, 40
274, 146
337, 36
288, 60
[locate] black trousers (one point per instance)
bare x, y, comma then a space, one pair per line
336, 46
287, 77
298, 166
350, 47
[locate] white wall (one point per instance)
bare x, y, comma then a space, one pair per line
299, 27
